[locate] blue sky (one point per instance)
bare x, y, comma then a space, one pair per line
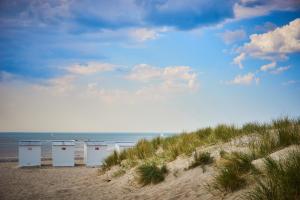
147, 65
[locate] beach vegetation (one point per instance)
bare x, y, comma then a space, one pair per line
111, 160
271, 136
119, 173
201, 159
233, 171
151, 173
280, 180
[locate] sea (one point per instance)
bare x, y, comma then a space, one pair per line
9, 141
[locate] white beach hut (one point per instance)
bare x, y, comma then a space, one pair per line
29, 153
94, 153
119, 146
63, 153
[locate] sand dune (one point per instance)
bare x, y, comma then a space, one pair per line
80, 182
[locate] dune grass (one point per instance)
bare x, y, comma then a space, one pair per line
281, 180
232, 173
151, 173
173, 146
201, 159
229, 180
284, 132
272, 136
278, 134
119, 173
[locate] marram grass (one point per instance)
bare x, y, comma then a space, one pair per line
151, 173
201, 159
280, 180
273, 136
232, 173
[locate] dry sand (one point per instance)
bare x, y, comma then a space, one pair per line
80, 182
85, 183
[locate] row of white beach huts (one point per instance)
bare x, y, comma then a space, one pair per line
63, 152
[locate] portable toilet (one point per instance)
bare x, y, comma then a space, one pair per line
94, 153
29, 153
119, 146
63, 153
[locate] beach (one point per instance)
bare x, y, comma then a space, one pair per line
224, 162
81, 182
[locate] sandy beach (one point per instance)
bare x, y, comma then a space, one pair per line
81, 182
84, 183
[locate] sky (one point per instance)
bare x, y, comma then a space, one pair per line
147, 65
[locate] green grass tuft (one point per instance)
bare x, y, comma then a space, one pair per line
151, 173
201, 158
229, 180
224, 132
119, 173
273, 136
231, 175
223, 153
281, 180
111, 160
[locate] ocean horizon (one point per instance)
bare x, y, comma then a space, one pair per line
9, 140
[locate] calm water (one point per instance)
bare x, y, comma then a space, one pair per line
9, 141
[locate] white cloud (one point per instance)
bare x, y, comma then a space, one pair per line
279, 70
144, 72
274, 44
58, 85
170, 77
238, 60
244, 79
153, 82
266, 27
242, 9
233, 36
269, 66
144, 34
90, 68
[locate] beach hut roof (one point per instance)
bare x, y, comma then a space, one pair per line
95, 143
125, 144
63, 143
30, 143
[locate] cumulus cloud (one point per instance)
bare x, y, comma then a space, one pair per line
246, 79
116, 14
143, 34
253, 8
90, 68
269, 66
170, 77
233, 36
266, 27
151, 83
274, 44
